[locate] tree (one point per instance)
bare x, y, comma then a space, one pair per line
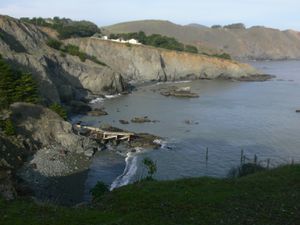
9, 128
99, 190
235, 26
16, 86
7, 84
151, 166
26, 89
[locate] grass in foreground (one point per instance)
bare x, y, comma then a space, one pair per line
271, 197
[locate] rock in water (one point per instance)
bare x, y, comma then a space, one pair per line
97, 112
143, 119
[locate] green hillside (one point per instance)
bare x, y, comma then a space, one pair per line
271, 197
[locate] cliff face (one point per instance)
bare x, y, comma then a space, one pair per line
60, 78
253, 43
65, 77
144, 63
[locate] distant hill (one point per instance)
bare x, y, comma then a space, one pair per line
253, 43
196, 25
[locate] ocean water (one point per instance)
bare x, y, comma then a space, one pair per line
258, 117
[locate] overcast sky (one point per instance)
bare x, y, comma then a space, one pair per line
282, 14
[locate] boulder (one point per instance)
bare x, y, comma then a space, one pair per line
97, 112
143, 119
124, 121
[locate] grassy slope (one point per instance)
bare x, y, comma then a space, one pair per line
271, 197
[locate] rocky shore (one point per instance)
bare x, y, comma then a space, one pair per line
47, 149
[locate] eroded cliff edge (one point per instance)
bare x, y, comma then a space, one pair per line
145, 63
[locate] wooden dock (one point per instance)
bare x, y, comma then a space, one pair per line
107, 135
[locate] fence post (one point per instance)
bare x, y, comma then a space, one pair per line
255, 159
242, 156
268, 163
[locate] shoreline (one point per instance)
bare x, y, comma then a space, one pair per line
73, 119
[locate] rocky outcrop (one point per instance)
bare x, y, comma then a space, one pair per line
60, 77
54, 150
144, 63
44, 128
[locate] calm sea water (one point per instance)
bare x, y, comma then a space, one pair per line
258, 117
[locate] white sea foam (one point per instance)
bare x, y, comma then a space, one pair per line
130, 168
112, 96
97, 100
160, 142
174, 82
129, 172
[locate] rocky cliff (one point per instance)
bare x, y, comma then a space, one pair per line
60, 77
253, 43
63, 77
144, 63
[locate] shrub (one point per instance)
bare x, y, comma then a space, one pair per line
75, 51
66, 28
222, 56
99, 190
54, 44
59, 110
191, 48
151, 167
8, 127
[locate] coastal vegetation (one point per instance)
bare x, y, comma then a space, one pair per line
156, 40
59, 109
221, 56
269, 197
151, 168
72, 50
16, 86
8, 127
66, 28
98, 191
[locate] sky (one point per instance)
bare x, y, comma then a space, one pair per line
281, 14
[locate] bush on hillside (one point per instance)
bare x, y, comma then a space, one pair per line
99, 190
151, 167
54, 44
8, 127
191, 49
59, 110
66, 28
222, 56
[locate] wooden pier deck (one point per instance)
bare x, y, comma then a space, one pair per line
107, 135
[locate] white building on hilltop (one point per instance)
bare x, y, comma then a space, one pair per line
120, 40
